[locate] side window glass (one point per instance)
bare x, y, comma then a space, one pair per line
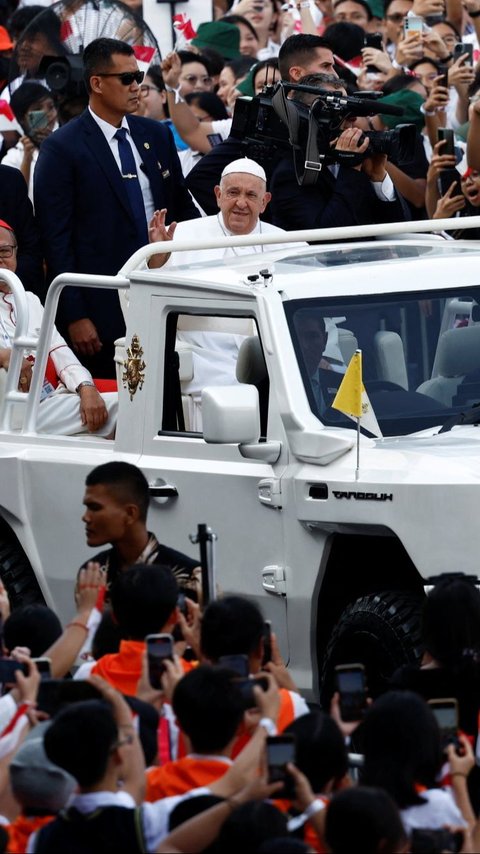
208, 350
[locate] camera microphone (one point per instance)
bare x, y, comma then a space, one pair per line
365, 107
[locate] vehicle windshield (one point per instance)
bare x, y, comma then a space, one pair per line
420, 356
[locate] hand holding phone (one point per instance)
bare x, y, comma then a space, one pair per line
267, 642
352, 687
8, 666
238, 663
460, 49
246, 684
413, 27
159, 648
446, 714
44, 667
446, 136
280, 751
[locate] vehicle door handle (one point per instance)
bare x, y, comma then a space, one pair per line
160, 489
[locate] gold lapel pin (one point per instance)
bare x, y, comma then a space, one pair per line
146, 145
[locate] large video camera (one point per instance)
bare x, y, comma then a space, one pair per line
272, 123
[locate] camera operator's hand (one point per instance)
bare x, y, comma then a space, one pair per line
378, 58
348, 141
375, 167
409, 50
448, 205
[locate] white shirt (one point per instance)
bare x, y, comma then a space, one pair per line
14, 158
109, 132
155, 816
440, 809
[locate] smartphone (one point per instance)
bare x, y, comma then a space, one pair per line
159, 648
352, 687
54, 694
267, 642
446, 713
44, 667
247, 684
8, 666
424, 840
447, 135
460, 49
443, 74
374, 40
280, 751
37, 120
446, 179
238, 663
412, 26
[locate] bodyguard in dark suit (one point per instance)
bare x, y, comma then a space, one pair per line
16, 209
98, 181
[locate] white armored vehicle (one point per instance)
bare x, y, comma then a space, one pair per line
338, 559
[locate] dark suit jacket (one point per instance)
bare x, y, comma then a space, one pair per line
348, 199
84, 214
16, 209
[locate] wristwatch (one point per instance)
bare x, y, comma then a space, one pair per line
85, 384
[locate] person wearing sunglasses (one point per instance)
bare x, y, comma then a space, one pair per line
98, 181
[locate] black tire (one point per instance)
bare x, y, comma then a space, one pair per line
17, 574
382, 631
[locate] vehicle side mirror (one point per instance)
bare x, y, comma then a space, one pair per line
231, 414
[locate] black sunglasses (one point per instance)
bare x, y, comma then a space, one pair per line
126, 77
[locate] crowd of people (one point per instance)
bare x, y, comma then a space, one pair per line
156, 721
104, 746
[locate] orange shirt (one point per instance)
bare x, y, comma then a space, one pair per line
21, 829
178, 777
123, 669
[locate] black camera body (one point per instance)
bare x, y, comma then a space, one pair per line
271, 124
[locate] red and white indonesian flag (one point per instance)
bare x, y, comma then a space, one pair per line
144, 56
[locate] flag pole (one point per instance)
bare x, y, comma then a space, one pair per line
357, 470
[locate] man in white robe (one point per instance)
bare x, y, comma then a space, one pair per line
70, 402
242, 197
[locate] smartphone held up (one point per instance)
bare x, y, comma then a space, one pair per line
159, 648
352, 687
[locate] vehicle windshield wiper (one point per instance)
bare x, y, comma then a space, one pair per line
468, 416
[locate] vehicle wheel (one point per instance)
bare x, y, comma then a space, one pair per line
17, 574
382, 631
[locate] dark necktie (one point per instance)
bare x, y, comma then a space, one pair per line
132, 184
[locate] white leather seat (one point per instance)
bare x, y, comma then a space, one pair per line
458, 354
390, 358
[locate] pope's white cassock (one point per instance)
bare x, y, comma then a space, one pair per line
59, 408
214, 342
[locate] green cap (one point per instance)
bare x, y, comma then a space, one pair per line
219, 36
246, 86
410, 102
377, 8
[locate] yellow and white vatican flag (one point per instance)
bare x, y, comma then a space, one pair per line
352, 399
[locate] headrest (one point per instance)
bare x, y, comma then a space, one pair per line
459, 351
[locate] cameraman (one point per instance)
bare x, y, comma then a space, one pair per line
343, 195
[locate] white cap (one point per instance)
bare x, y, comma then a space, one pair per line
244, 164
